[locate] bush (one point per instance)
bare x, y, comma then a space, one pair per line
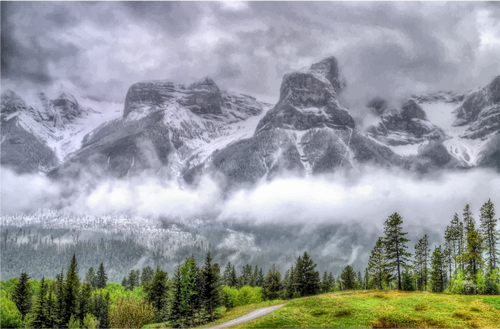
131, 313
10, 317
246, 295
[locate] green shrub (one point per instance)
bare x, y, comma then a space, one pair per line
10, 317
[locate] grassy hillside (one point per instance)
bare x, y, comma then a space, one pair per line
384, 310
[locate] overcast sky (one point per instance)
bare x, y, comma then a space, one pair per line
102, 48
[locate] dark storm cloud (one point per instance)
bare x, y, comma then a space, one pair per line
384, 49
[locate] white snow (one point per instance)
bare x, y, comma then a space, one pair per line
442, 114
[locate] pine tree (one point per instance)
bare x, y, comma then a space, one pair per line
91, 278
37, 317
157, 293
449, 236
176, 315
233, 278
473, 253
71, 291
325, 283
132, 280
124, 283
147, 275
331, 280
260, 278
307, 279
489, 231
348, 277
377, 264
254, 276
438, 272
104, 321
227, 274
85, 303
22, 295
421, 262
102, 278
51, 312
290, 283
213, 286
59, 299
272, 284
188, 287
395, 245
468, 219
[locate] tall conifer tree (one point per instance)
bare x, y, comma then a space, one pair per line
22, 295
395, 245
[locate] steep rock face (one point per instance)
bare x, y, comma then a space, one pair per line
308, 132
165, 129
21, 150
47, 131
202, 97
409, 125
477, 101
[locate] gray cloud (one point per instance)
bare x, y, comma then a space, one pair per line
384, 48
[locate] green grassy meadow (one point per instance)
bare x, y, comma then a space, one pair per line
393, 309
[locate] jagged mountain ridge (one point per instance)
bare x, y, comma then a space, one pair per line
165, 128
40, 135
177, 131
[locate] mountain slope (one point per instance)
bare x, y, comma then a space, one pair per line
165, 127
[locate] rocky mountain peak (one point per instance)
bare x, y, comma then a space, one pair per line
205, 84
315, 87
411, 110
494, 90
11, 102
329, 69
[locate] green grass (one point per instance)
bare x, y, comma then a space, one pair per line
384, 310
226, 315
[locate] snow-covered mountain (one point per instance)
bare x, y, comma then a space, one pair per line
166, 128
39, 135
179, 132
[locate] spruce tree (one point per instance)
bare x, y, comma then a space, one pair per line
102, 277
124, 283
468, 219
176, 315
91, 278
489, 232
473, 253
254, 276
157, 293
260, 278
360, 280
272, 284
377, 264
71, 291
331, 280
421, 262
233, 278
85, 303
104, 321
59, 299
37, 317
395, 245
325, 283
132, 280
349, 279
51, 311
307, 279
213, 286
227, 274
438, 271
147, 275
407, 283
22, 294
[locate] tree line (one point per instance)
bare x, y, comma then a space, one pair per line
467, 263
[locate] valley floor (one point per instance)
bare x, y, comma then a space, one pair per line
375, 309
